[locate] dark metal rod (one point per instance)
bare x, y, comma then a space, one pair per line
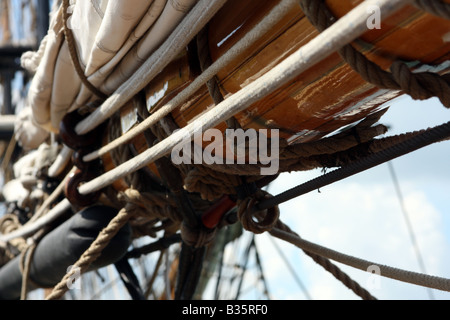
419, 141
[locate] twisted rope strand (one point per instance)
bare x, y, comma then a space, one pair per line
386, 271
419, 86
94, 251
328, 266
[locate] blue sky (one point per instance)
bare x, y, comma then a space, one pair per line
361, 216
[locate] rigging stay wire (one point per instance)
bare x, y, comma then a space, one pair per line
409, 226
291, 269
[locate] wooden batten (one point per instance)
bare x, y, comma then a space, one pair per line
330, 94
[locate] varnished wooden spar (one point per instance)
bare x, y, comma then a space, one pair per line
322, 99
327, 96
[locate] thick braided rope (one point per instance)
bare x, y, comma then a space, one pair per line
330, 267
95, 249
419, 86
437, 7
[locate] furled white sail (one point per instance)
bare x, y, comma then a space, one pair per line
112, 39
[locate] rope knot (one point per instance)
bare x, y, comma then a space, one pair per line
196, 237
133, 201
254, 220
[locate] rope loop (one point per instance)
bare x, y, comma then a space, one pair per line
257, 221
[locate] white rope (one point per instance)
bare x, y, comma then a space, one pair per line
250, 38
194, 21
54, 213
385, 271
344, 31
60, 162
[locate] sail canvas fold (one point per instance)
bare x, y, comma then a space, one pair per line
112, 39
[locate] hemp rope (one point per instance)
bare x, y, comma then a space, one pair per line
419, 86
25, 264
327, 265
386, 271
8, 224
71, 43
268, 220
95, 249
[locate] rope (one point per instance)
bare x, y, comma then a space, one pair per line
8, 154
50, 199
71, 43
437, 7
261, 28
415, 142
343, 31
95, 249
326, 264
8, 224
386, 271
212, 84
25, 264
419, 86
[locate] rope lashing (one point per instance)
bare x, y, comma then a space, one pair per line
74, 55
420, 86
413, 143
342, 32
81, 144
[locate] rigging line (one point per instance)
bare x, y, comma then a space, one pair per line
262, 277
428, 137
345, 30
54, 213
419, 279
220, 266
408, 223
150, 283
108, 286
291, 269
167, 285
262, 27
244, 266
8, 154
